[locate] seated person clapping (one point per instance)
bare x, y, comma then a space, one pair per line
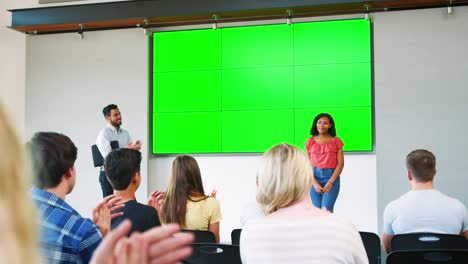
185, 202
122, 168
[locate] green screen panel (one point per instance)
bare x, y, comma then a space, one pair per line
257, 88
187, 91
257, 46
353, 125
186, 133
333, 85
256, 131
332, 42
186, 50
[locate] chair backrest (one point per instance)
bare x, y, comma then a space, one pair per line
202, 236
98, 160
438, 256
205, 253
235, 236
371, 243
421, 241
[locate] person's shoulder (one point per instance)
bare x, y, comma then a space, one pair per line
338, 140
211, 201
451, 200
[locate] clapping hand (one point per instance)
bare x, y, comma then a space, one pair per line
105, 211
136, 146
156, 200
158, 245
213, 193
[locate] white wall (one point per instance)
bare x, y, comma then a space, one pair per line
421, 67
13, 60
12, 68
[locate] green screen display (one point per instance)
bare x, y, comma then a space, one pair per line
245, 89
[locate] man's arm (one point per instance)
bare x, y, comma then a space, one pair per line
89, 243
103, 143
387, 242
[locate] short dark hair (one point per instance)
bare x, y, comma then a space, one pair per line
52, 154
421, 163
331, 131
107, 110
120, 166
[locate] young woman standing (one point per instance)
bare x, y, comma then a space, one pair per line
325, 151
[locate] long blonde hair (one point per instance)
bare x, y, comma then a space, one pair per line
284, 177
19, 241
185, 182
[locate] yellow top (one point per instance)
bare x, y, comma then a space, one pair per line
202, 213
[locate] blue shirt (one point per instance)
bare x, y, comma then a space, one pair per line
66, 237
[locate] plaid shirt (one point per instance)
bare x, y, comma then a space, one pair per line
66, 237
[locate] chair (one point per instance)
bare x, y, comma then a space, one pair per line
371, 243
235, 236
98, 160
438, 256
422, 241
205, 253
202, 236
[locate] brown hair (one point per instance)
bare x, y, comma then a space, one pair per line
185, 182
421, 163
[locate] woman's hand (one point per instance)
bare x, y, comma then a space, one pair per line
156, 200
318, 188
327, 188
213, 193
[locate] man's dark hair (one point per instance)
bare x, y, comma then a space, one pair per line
422, 165
120, 166
107, 110
52, 154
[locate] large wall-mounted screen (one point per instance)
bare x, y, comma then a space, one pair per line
245, 89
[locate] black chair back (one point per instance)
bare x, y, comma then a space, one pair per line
98, 160
371, 243
438, 256
235, 236
202, 236
205, 253
422, 241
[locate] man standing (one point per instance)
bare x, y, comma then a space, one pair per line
423, 209
66, 237
107, 136
122, 168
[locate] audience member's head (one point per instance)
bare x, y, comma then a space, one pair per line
284, 177
53, 156
421, 164
19, 235
122, 168
185, 182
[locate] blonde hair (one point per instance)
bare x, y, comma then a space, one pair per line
284, 177
19, 241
